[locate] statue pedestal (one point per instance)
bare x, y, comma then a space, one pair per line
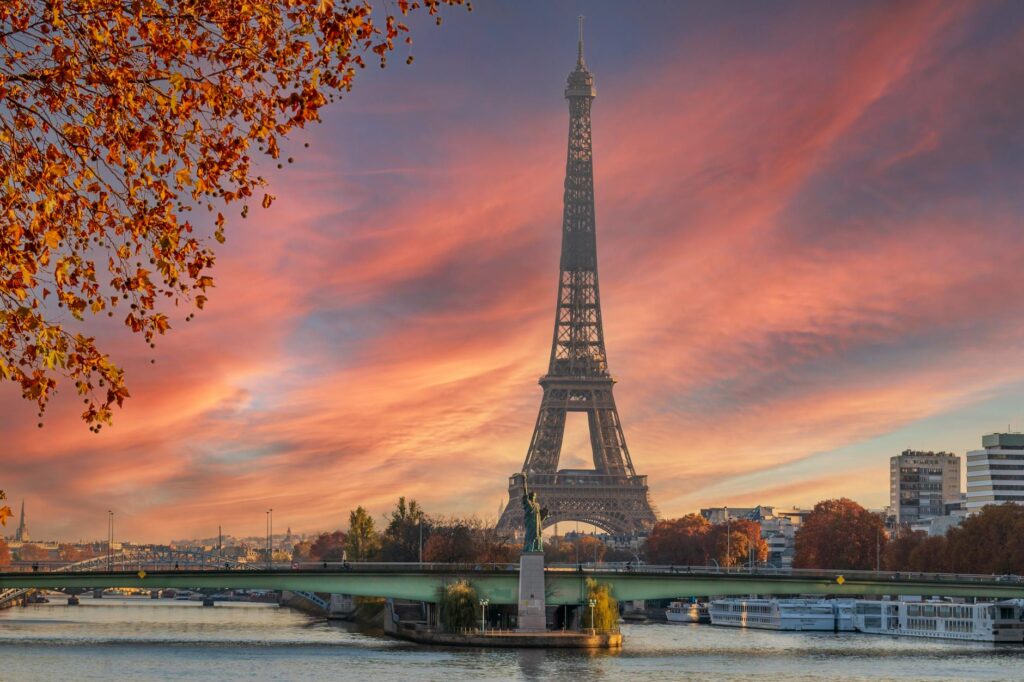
532, 616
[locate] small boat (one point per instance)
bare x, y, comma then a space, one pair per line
687, 612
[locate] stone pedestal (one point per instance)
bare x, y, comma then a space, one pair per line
532, 616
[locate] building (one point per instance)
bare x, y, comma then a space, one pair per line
996, 473
21, 535
720, 514
921, 483
778, 527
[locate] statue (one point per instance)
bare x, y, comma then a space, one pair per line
533, 519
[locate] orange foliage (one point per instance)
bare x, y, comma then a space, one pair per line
839, 534
679, 541
5, 553
693, 541
118, 119
5, 511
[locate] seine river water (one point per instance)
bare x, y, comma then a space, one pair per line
141, 639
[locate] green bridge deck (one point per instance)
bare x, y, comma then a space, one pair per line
564, 585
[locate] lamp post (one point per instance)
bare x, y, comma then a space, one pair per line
483, 614
728, 540
593, 625
419, 522
270, 532
110, 541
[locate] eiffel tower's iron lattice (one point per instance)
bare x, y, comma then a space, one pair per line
611, 496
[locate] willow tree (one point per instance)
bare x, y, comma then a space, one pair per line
127, 129
604, 614
458, 606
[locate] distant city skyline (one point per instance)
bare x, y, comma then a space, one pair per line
810, 229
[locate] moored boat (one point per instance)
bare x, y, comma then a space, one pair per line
1001, 621
775, 614
687, 612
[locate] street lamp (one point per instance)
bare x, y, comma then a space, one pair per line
270, 533
593, 625
483, 614
110, 541
419, 522
728, 540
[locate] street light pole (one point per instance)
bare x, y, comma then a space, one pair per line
483, 614
593, 625
728, 540
270, 530
420, 524
110, 540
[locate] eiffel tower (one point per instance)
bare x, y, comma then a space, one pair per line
610, 496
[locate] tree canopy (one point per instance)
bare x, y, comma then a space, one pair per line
839, 534
692, 540
127, 127
362, 543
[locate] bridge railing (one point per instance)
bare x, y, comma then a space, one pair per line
762, 571
130, 565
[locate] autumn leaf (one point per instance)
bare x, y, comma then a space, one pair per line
118, 117
5, 513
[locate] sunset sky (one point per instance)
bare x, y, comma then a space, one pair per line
811, 239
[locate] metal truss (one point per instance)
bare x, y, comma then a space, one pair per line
611, 496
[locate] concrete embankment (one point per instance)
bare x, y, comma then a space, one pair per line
417, 632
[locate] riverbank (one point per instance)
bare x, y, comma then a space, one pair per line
419, 633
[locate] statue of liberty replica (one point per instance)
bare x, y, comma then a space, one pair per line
532, 615
533, 520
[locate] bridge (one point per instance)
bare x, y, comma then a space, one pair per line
499, 583
130, 561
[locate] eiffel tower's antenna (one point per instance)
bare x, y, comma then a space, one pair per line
579, 58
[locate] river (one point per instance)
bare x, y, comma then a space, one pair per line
142, 639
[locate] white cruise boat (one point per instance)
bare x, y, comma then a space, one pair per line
687, 612
1001, 621
775, 614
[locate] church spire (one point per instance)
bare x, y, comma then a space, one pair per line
21, 535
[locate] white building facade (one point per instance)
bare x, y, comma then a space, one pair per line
996, 474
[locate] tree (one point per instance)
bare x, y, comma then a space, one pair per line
362, 542
736, 542
302, 551
401, 541
679, 541
328, 547
117, 120
5, 553
455, 541
458, 606
839, 534
991, 541
930, 555
73, 553
896, 556
33, 552
495, 547
605, 613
